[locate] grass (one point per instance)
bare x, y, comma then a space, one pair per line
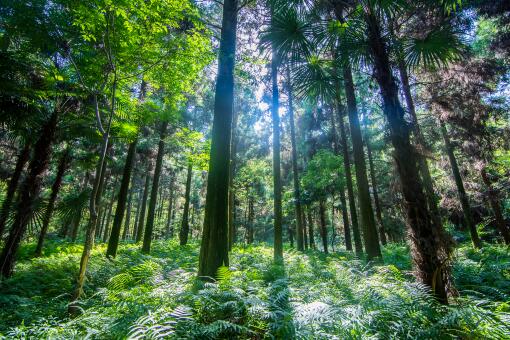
314, 297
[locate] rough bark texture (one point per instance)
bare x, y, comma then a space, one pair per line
375, 193
55, 189
151, 214
370, 236
430, 249
214, 246
463, 198
184, 232
29, 192
23, 157
113, 242
295, 173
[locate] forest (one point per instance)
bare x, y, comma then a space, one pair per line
255, 169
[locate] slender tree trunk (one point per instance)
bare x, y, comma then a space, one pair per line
323, 230
430, 248
378, 210
297, 191
169, 231
341, 189
251, 218
310, 227
305, 233
13, 185
147, 238
76, 226
29, 192
141, 220
106, 227
428, 183
113, 242
496, 207
463, 198
278, 231
214, 246
231, 192
62, 166
370, 236
127, 222
184, 232
137, 216
95, 200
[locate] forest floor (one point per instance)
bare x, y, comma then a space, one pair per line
316, 296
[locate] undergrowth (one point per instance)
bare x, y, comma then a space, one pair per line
313, 297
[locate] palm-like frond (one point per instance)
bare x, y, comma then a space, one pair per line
314, 79
436, 49
288, 34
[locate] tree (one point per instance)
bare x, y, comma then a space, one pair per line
214, 245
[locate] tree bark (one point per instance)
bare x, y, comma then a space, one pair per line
147, 238
127, 222
141, 220
214, 246
277, 182
305, 234
55, 189
463, 198
428, 183
106, 226
13, 185
323, 230
184, 232
311, 238
169, 229
377, 203
113, 242
430, 249
29, 192
370, 236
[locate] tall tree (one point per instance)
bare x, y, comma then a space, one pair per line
214, 246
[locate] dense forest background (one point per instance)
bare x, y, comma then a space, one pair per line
252, 169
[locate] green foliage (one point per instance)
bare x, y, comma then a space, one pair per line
314, 296
323, 174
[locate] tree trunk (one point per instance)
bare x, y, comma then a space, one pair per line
305, 234
323, 230
147, 238
496, 207
169, 230
127, 222
29, 192
141, 220
430, 249
464, 201
378, 210
251, 218
95, 200
106, 226
310, 227
184, 232
137, 216
295, 173
231, 192
62, 166
13, 185
113, 242
214, 246
341, 189
370, 236
277, 182
428, 183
